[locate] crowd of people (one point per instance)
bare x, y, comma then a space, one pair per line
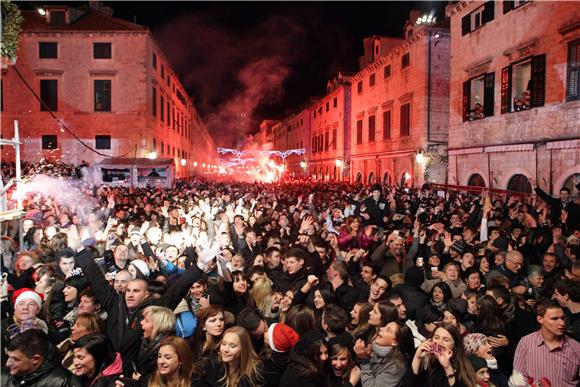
296, 283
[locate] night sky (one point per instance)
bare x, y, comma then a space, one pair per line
248, 61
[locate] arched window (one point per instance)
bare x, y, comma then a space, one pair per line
387, 178
371, 178
359, 178
519, 183
476, 180
405, 180
571, 181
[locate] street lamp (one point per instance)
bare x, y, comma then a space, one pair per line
152, 155
195, 163
303, 164
41, 11
420, 158
338, 163
183, 162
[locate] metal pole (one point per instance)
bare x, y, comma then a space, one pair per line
18, 183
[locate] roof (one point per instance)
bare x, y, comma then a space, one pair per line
141, 162
88, 19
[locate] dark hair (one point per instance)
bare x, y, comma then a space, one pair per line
543, 304
388, 311
100, 347
335, 318
297, 253
499, 291
250, 318
459, 361
326, 293
198, 338
301, 318
489, 320
31, 342
447, 295
392, 296
427, 314
568, 287
157, 287
363, 319
68, 253
77, 281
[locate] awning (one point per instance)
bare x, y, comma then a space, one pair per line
509, 148
567, 144
466, 151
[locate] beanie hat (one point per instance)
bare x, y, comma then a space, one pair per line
26, 294
141, 266
472, 341
282, 338
458, 247
477, 362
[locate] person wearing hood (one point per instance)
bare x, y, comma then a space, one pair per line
411, 292
385, 361
95, 362
477, 344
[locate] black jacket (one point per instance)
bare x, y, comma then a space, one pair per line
48, 374
124, 326
292, 281
413, 297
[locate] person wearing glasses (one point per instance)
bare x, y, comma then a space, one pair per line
512, 270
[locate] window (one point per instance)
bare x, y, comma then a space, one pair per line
161, 108
57, 18
154, 61
477, 18
387, 125
49, 141
102, 95
405, 60
154, 102
49, 95
162, 72
359, 87
478, 97
334, 138
1, 95
102, 51
372, 128
154, 147
509, 5
314, 148
523, 84
327, 106
372, 80
47, 50
334, 103
387, 71
405, 119
162, 148
359, 131
573, 84
168, 113
103, 142
314, 113
326, 141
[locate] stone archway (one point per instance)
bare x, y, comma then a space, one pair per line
476, 180
359, 177
519, 183
371, 178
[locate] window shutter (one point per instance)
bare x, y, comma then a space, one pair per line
488, 94
488, 11
466, 96
508, 6
538, 80
573, 84
465, 24
506, 89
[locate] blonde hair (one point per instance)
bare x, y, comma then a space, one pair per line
163, 319
249, 361
262, 294
89, 321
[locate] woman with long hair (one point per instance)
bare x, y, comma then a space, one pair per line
441, 361
174, 364
208, 334
236, 293
342, 370
383, 312
73, 286
352, 235
385, 361
359, 322
95, 362
238, 364
306, 363
157, 324
301, 318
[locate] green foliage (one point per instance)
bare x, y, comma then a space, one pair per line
11, 26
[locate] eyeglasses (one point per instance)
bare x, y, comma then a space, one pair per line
518, 264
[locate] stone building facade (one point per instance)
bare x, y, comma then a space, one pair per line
329, 154
399, 107
514, 108
108, 84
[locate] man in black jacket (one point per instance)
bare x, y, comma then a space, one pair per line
29, 363
375, 209
125, 310
559, 204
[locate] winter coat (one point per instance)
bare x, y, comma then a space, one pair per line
48, 374
381, 371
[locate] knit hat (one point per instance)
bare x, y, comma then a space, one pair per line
141, 266
26, 294
477, 362
472, 341
458, 247
282, 338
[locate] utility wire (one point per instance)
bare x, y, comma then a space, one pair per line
61, 124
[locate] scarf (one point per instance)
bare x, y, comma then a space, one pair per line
492, 363
380, 350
